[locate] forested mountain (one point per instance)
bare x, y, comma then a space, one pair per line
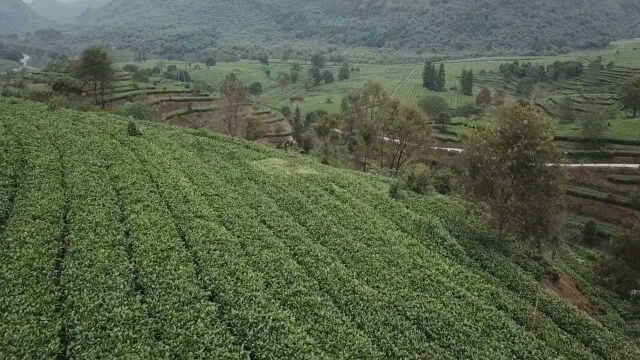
64, 12
15, 16
433, 25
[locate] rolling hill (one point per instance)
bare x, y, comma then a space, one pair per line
436, 26
16, 17
64, 12
183, 242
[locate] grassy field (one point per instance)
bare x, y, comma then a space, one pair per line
186, 242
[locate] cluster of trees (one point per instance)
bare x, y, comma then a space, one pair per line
466, 82
541, 26
432, 79
380, 130
528, 74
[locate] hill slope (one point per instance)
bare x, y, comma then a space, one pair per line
64, 12
15, 17
436, 26
184, 242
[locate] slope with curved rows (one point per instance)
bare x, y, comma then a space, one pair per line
182, 243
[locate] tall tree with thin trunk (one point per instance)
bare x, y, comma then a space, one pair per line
235, 96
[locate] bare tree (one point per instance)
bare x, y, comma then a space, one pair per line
235, 96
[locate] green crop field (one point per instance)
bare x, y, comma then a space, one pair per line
182, 243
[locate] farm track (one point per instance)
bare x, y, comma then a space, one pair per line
395, 89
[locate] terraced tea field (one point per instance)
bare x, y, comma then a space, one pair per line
185, 242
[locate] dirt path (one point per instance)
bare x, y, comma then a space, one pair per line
393, 93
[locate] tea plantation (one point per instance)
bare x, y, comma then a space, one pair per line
185, 244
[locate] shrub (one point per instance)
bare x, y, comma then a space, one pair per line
589, 234
37, 94
418, 179
468, 110
434, 105
442, 181
394, 190
132, 129
136, 110
255, 89
130, 68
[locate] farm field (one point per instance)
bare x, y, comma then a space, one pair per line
183, 241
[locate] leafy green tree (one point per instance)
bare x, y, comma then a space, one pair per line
96, 68
441, 80
466, 82
255, 89
429, 75
286, 111
594, 126
327, 76
434, 105
211, 61
66, 85
136, 110
630, 95
508, 169
316, 75
318, 60
566, 112
345, 72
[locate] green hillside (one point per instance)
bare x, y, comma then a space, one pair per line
16, 16
486, 26
186, 244
64, 12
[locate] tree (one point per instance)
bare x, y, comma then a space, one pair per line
466, 82
298, 126
325, 129
352, 111
211, 61
318, 60
95, 67
255, 89
434, 105
235, 96
441, 80
408, 135
345, 72
286, 111
66, 85
484, 97
327, 76
283, 81
429, 75
594, 126
443, 120
630, 95
509, 169
566, 112
316, 75
263, 59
